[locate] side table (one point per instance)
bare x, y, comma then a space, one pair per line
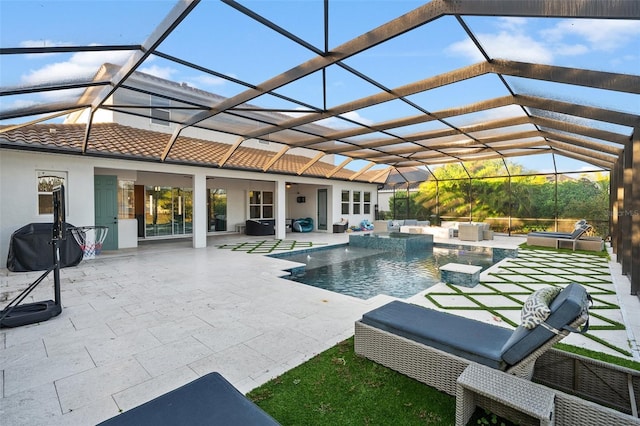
503, 394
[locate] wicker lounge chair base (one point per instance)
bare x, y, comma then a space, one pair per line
428, 365
528, 403
517, 399
600, 382
436, 348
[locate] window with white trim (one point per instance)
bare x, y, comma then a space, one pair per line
46, 181
345, 202
367, 202
356, 202
126, 199
260, 204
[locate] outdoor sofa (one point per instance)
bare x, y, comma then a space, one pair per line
260, 227
436, 347
208, 400
396, 224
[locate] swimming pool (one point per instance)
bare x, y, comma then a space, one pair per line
364, 273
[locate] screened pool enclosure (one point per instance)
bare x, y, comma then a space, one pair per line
373, 86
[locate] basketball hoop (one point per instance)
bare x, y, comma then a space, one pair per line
90, 239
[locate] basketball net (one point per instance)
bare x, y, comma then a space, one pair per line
90, 239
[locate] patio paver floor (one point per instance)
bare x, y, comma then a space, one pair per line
142, 322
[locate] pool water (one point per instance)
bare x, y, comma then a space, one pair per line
364, 273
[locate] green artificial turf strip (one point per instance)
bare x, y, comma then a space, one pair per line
604, 254
634, 365
337, 387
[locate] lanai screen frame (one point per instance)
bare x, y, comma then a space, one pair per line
612, 151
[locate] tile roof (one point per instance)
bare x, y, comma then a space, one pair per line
130, 143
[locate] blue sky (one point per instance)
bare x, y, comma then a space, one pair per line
218, 37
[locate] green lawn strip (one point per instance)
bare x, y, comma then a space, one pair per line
341, 388
337, 387
495, 311
613, 325
600, 290
603, 253
608, 345
603, 303
612, 359
266, 247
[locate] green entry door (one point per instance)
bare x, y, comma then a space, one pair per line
106, 208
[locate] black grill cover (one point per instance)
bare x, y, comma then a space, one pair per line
30, 248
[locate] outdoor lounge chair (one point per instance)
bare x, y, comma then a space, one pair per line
435, 347
208, 400
555, 239
579, 224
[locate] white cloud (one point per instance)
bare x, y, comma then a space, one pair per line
79, 65
160, 72
42, 43
570, 49
604, 35
336, 123
209, 80
507, 111
569, 37
504, 45
353, 115
20, 103
513, 24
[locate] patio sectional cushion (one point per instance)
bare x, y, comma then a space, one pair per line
464, 337
208, 400
565, 308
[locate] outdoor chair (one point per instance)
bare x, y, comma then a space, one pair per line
208, 400
303, 225
435, 347
555, 239
579, 224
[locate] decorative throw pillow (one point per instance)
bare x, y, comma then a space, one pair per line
536, 307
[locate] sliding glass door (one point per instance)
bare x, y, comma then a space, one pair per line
168, 211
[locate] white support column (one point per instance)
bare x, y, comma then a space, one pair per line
199, 210
281, 210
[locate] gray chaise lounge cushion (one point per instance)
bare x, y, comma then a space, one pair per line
474, 340
209, 400
488, 344
565, 308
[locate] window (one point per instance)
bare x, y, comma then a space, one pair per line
160, 113
126, 199
47, 180
345, 202
356, 202
260, 205
217, 208
367, 203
